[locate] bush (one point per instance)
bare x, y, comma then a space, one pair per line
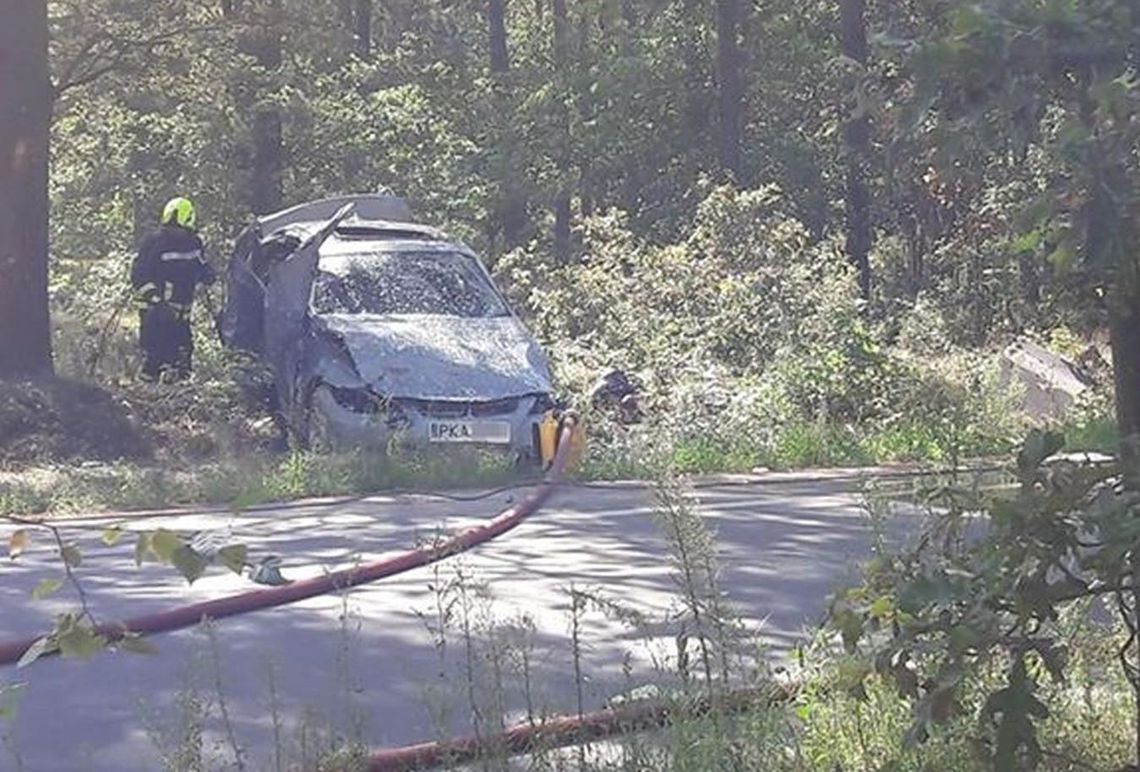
754, 347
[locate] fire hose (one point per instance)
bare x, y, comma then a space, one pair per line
563, 731
193, 614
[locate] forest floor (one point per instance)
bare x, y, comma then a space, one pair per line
71, 447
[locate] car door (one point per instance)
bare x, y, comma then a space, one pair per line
287, 297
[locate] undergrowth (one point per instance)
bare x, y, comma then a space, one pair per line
615, 453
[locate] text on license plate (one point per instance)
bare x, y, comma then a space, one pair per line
493, 432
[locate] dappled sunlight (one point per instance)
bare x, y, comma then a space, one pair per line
781, 550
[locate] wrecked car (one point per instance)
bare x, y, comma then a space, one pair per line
378, 330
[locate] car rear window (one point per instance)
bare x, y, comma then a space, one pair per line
441, 282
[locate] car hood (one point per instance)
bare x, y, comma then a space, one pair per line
442, 357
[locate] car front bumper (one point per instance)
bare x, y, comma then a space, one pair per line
512, 425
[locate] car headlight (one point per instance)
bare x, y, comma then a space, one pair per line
357, 400
365, 402
397, 418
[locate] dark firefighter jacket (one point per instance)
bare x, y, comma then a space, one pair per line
168, 268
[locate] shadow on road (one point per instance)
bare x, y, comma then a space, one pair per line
374, 665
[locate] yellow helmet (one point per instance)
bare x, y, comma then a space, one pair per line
180, 211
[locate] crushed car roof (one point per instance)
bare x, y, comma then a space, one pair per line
379, 207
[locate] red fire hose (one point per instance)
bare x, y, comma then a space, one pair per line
563, 731
246, 602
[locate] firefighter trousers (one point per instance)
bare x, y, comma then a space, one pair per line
168, 347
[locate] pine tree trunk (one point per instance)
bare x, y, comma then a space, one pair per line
261, 39
25, 125
1124, 325
510, 218
731, 90
344, 15
586, 112
561, 207
497, 28
857, 134
362, 27
695, 58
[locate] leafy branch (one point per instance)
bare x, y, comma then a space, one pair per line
933, 619
79, 634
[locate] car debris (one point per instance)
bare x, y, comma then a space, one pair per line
618, 394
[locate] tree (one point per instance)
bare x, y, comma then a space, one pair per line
362, 27
731, 91
26, 98
857, 135
562, 142
510, 217
497, 36
1055, 83
259, 37
1013, 76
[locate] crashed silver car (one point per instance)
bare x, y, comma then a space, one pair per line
379, 330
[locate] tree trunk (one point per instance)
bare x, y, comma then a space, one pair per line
562, 196
497, 27
510, 218
695, 57
1109, 241
629, 14
1124, 324
25, 125
857, 133
343, 14
586, 112
731, 89
261, 39
362, 27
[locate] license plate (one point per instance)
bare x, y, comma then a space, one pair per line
491, 432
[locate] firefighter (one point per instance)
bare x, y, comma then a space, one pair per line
165, 274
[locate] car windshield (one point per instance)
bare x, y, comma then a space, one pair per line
440, 282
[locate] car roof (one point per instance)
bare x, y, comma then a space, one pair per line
378, 223
335, 248
371, 206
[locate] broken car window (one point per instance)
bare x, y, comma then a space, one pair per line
443, 282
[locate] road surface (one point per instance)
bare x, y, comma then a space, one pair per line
291, 678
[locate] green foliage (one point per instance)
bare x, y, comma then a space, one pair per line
759, 357
974, 596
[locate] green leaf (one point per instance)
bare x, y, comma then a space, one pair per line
143, 548
71, 555
1063, 256
189, 563
165, 544
850, 627
18, 543
1026, 243
80, 642
234, 557
112, 536
136, 644
882, 607
45, 645
10, 696
45, 588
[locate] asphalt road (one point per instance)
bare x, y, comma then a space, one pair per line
373, 664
